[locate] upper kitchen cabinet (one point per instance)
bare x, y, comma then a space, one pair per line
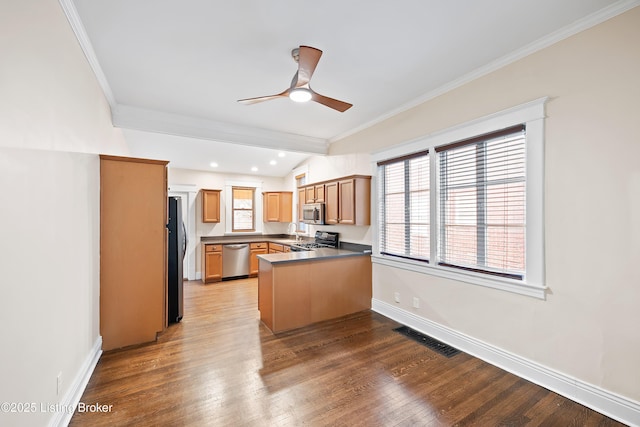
314, 193
277, 206
348, 201
211, 205
133, 250
301, 201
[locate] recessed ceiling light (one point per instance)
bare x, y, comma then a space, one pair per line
273, 162
281, 154
213, 164
254, 169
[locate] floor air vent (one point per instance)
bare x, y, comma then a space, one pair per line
432, 343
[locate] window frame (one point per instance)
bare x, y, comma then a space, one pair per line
479, 146
234, 209
257, 206
532, 115
406, 193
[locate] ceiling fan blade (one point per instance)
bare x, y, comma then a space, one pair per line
330, 102
249, 101
308, 58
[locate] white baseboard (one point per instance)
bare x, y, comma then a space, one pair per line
603, 401
74, 394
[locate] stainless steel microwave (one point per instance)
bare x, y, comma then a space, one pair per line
313, 213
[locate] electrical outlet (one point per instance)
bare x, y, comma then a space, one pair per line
416, 302
396, 296
58, 383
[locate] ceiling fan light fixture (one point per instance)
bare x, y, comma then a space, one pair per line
300, 95
307, 58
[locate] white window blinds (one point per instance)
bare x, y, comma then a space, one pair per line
404, 215
482, 184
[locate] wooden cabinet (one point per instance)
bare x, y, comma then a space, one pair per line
133, 250
296, 294
211, 263
319, 190
314, 193
331, 213
277, 248
348, 201
211, 205
277, 206
301, 202
256, 249
309, 194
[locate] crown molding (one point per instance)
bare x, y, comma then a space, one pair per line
81, 35
152, 121
555, 37
159, 122
128, 117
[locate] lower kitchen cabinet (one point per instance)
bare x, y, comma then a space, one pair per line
296, 294
211, 263
277, 248
259, 248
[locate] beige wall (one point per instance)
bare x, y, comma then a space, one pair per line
50, 97
587, 327
324, 168
53, 119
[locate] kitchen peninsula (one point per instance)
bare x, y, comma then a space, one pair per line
300, 288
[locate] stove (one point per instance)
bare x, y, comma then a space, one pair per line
323, 239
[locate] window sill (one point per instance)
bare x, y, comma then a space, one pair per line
509, 285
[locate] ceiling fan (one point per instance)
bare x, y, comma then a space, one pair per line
307, 58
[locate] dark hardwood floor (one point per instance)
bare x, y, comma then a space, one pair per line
221, 367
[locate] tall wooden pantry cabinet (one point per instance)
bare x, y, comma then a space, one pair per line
133, 250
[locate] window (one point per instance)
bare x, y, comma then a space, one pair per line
468, 203
243, 206
404, 211
482, 203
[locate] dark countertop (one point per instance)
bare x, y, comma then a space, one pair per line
283, 239
316, 254
349, 249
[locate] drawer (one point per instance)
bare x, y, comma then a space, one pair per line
276, 246
212, 248
260, 245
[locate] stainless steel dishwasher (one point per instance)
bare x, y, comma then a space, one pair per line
235, 260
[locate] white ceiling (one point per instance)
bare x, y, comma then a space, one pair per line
173, 71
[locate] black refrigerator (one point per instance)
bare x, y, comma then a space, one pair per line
177, 246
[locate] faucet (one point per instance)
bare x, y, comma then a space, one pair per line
293, 229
